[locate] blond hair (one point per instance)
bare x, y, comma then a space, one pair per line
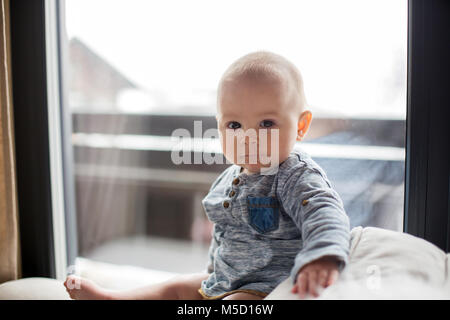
266, 65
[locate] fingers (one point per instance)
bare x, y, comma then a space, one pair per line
302, 284
312, 283
332, 277
306, 284
322, 280
294, 289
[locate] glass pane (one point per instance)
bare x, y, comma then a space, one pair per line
138, 70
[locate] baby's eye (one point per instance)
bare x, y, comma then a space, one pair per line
233, 125
266, 123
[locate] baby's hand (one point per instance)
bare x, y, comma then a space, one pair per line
321, 272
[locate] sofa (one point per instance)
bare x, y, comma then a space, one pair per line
383, 264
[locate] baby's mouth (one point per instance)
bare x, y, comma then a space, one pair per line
251, 156
251, 159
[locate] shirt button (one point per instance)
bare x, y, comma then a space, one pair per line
232, 193
305, 202
226, 204
236, 181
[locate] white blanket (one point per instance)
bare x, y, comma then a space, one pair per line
384, 264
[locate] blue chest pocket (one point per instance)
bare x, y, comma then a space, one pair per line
263, 213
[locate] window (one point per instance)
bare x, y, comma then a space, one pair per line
137, 70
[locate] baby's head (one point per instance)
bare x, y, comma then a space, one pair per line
261, 91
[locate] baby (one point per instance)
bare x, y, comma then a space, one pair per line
274, 211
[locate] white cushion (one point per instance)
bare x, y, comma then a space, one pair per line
386, 264
33, 289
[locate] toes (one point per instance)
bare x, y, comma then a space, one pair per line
73, 282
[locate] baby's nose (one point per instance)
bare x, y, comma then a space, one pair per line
248, 139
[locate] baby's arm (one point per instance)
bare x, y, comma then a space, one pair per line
325, 229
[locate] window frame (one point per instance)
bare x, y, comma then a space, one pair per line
427, 167
45, 184
31, 138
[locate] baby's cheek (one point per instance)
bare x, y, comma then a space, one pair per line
276, 149
230, 152
223, 143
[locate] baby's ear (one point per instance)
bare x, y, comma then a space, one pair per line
303, 124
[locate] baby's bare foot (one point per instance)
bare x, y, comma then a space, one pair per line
84, 289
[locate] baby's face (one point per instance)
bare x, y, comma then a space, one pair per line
262, 106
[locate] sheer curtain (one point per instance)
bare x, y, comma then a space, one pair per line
10, 268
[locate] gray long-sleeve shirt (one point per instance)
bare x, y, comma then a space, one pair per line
267, 227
